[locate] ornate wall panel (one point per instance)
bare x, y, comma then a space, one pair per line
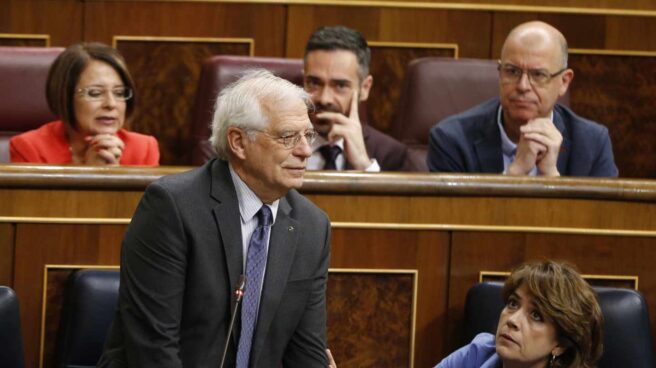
375, 248
380, 307
166, 72
617, 90
389, 61
32, 40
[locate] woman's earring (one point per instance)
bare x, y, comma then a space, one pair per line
552, 360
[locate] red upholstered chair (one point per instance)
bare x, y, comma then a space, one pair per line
23, 106
216, 73
435, 88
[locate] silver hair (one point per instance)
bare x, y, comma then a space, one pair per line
248, 104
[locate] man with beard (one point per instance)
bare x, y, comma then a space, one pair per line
525, 132
336, 74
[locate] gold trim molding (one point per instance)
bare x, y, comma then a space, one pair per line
218, 40
612, 52
631, 278
366, 225
26, 36
419, 45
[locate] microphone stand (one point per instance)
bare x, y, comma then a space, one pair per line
239, 293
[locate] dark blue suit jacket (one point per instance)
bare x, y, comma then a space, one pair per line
470, 142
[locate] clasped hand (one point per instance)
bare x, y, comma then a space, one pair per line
539, 145
103, 149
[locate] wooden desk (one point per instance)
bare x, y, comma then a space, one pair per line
406, 247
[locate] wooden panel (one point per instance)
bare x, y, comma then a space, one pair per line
7, 255
32, 40
166, 73
389, 61
473, 252
393, 25
618, 91
263, 23
61, 19
370, 318
424, 251
41, 244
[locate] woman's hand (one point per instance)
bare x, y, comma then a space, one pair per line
103, 149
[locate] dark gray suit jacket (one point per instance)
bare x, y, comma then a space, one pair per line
181, 258
470, 142
390, 153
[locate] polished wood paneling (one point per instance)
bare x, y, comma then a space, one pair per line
61, 19
393, 25
388, 65
472, 252
166, 76
261, 22
40, 244
7, 255
618, 91
424, 251
446, 227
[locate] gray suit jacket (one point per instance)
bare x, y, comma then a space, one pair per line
470, 142
181, 258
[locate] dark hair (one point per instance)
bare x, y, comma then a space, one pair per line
65, 72
342, 38
566, 299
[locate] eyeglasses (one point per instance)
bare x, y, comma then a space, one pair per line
290, 140
97, 93
537, 77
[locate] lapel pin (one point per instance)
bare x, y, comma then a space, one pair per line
291, 228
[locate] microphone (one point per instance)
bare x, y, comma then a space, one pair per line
239, 293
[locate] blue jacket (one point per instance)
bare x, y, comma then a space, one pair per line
470, 142
480, 353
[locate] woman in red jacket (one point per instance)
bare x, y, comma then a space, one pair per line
91, 90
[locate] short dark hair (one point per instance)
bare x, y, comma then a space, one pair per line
564, 297
342, 38
64, 74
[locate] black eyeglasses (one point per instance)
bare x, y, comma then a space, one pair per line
538, 77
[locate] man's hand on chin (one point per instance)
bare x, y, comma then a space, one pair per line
350, 128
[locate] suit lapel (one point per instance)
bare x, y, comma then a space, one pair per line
565, 147
488, 146
226, 215
282, 246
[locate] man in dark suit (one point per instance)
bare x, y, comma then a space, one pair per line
525, 132
193, 235
336, 74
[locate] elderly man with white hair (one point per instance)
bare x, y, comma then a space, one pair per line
194, 234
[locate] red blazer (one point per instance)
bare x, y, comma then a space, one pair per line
48, 145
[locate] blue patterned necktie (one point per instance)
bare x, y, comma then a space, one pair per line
255, 262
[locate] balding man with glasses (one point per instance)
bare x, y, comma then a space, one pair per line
525, 131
